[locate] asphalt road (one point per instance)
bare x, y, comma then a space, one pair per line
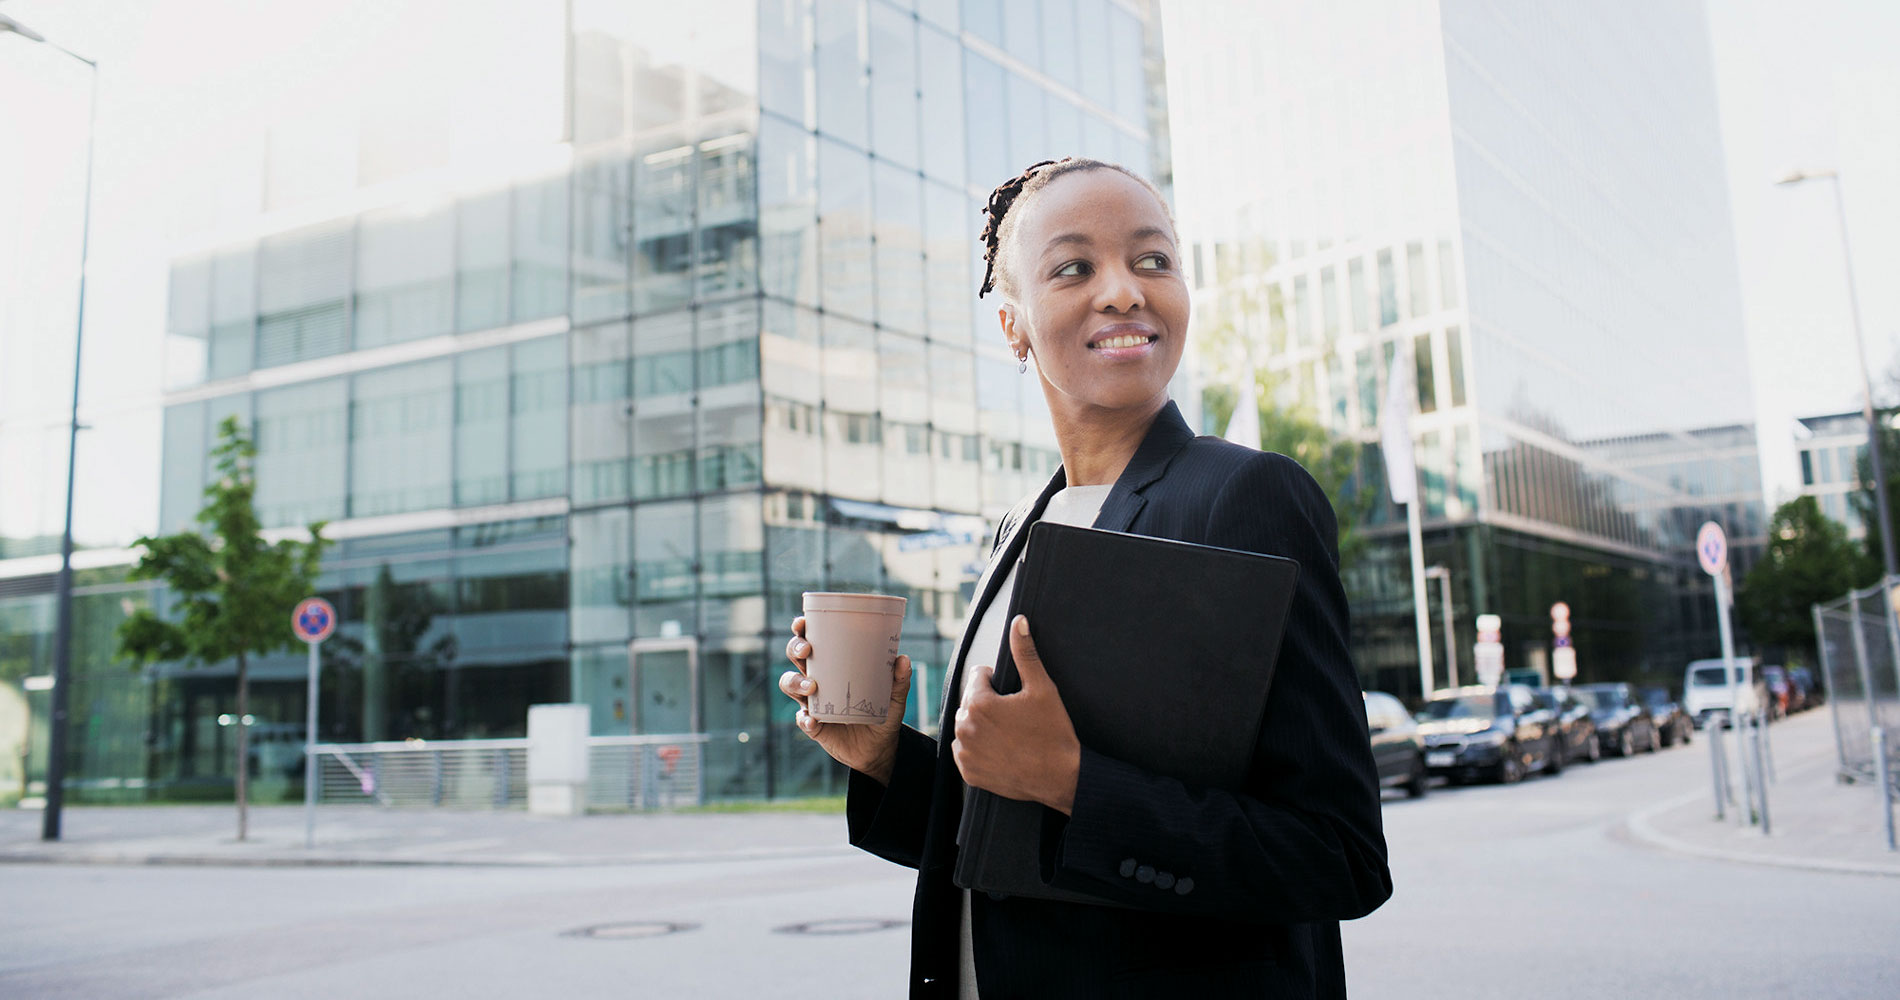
1530, 890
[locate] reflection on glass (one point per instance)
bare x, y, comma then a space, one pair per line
843, 109
1427, 384
540, 249
400, 439
665, 584
894, 119
303, 278
986, 121
788, 212
728, 225
537, 433
405, 276
1388, 290
601, 420
663, 373
844, 226
1415, 278
302, 437
1455, 364
481, 425
940, 77
481, 261
603, 231
900, 245
600, 585
662, 223
233, 312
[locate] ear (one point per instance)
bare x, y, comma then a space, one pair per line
1006, 318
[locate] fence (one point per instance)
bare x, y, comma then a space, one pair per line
1860, 658
624, 772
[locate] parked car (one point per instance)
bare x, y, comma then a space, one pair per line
1397, 748
1779, 690
1671, 722
1573, 721
1705, 690
1496, 733
1803, 680
1623, 724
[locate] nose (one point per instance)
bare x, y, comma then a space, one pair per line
1120, 291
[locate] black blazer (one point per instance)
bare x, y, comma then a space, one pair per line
1241, 894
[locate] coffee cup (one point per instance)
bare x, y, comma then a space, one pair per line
853, 655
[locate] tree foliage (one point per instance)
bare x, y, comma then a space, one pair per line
1332, 459
1866, 505
232, 592
1809, 560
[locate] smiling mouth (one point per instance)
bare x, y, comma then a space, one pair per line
1123, 340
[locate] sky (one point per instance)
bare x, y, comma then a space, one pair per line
192, 93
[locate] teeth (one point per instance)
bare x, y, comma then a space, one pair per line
1128, 340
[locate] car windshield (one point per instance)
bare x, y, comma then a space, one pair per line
1600, 697
1712, 676
1471, 706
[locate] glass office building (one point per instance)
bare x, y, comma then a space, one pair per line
1523, 208
727, 350
1831, 448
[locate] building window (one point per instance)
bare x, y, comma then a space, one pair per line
1356, 295
1427, 384
1388, 290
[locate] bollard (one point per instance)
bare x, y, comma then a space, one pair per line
1761, 788
1720, 769
1886, 781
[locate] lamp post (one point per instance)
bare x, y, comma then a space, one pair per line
1860, 354
63, 601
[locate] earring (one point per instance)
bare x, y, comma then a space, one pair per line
1022, 363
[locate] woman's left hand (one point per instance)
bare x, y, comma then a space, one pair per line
1021, 745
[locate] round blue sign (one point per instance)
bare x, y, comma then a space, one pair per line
314, 619
1711, 548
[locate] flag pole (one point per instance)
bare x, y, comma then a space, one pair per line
1401, 475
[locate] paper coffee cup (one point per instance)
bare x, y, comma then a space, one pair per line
853, 655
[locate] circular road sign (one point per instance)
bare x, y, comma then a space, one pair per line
1560, 612
1711, 548
314, 619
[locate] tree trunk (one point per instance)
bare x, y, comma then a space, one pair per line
243, 743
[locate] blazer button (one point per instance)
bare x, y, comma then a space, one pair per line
1128, 868
1144, 874
1164, 880
1183, 887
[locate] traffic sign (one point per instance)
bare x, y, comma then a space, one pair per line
1490, 627
1563, 662
1711, 548
1560, 612
314, 620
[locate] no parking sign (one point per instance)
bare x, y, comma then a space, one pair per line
314, 620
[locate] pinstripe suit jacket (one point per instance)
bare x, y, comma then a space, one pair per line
1256, 881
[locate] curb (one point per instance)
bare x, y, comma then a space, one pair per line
1639, 828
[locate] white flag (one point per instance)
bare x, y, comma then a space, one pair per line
1395, 432
1244, 426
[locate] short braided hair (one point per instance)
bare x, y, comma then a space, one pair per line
1001, 225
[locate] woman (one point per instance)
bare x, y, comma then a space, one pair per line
1237, 893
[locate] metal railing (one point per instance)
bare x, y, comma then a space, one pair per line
1858, 637
624, 772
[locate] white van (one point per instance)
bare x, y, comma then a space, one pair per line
1705, 689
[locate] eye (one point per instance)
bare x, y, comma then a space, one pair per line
1152, 262
1074, 269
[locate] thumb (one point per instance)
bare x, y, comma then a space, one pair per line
1023, 650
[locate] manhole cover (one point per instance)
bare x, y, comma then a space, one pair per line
640, 929
846, 926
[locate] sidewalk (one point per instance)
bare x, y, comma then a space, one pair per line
367, 835
1818, 823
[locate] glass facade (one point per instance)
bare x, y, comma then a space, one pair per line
1545, 254
732, 352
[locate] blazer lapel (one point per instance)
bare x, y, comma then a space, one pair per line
1165, 438
1011, 548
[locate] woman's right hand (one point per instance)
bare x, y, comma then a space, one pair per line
870, 750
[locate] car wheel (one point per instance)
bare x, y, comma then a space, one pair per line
1421, 779
1554, 758
1625, 747
1510, 766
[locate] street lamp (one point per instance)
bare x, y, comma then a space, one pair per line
63, 606
1860, 353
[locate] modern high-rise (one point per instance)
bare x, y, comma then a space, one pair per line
1831, 448
723, 347
1524, 205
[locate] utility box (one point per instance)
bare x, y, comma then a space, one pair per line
557, 759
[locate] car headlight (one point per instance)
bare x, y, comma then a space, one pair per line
1489, 738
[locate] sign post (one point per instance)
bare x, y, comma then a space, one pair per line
314, 620
1711, 550
1563, 656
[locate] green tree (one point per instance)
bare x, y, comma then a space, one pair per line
1332, 459
1866, 505
234, 592
1810, 559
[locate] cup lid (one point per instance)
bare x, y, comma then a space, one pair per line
882, 604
